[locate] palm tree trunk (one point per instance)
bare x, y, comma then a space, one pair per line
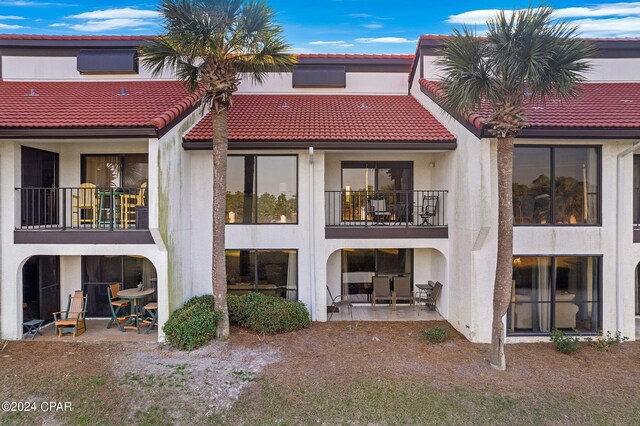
504, 268
218, 266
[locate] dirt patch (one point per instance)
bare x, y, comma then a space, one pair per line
342, 372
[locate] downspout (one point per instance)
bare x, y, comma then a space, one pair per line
312, 240
620, 230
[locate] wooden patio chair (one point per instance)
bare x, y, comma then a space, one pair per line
381, 290
402, 291
339, 302
84, 205
116, 305
429, 208
128, 204
150, 308
73, 319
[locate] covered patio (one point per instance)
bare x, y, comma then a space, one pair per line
97, 331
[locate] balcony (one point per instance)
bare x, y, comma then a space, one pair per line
386, 214
85, 214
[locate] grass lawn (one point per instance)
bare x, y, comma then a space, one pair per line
332, 373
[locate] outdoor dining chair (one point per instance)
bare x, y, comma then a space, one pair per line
340, 301
402, 291
379, 211
116, 305
73, 319
84, 205
381, 290
429, 209
150, 308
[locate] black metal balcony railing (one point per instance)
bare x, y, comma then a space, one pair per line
400, 208
88, 208
636, 208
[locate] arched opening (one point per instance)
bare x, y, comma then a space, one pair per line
49, 282
351, 273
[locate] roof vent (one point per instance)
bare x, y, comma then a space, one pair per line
363, 105
123, 92
284, 105
32, 92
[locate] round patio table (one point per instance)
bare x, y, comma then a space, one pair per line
135, 295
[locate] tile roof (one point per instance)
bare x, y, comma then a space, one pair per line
326, 118
610, 105
92, 104
73, 37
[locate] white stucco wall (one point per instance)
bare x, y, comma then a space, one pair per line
13, 256
357, 83
603, 69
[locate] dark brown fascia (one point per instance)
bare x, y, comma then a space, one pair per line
338, 145
83, 44
537, 132
82, 237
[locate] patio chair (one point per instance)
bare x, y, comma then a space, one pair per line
381, 290
116, 305
378, 210
128, 204
152, 309
429, 208
402, 291
84, 205
73, 319
340, 301
432, 298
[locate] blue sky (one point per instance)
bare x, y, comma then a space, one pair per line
320, 26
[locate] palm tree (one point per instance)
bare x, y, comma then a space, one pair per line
210, 45
526, 57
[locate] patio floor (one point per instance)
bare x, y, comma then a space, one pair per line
364, 312
97, 331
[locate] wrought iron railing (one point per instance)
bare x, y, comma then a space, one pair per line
636, 208
399, 208
85, 207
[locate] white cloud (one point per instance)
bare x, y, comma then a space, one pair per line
60, 24
390, 40
123, 13
11, 17
300, 50
480, 16
326, 43
10, 27
373, 26
612, 27
110, 24
359, 15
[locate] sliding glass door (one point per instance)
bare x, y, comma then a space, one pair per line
359, 266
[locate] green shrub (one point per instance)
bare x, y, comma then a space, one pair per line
206, 299
435, 334
233, 304
267, 314
604, 342
564, 343
193, 325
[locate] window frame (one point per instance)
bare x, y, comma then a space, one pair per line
552, 299
552, 195
375, 164
256, 177
83, 165
254, 252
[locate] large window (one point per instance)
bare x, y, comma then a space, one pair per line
100, 271
359, 266
556, 185
272, 272
262, 189
115, 171
558, 292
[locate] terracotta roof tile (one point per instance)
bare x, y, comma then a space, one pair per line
615, 105
92, 104
326, 118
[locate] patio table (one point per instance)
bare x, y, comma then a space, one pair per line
33, 327
134, 295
